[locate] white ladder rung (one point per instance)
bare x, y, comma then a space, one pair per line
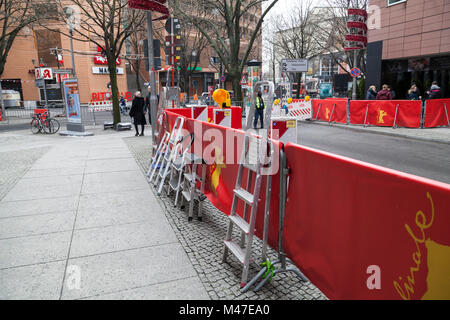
241, 223
237, 251
188, 177
244, 195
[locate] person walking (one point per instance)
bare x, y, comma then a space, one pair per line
435, 91
413, 93
137, 112
259, 110
122, 104
384, 93
371, 93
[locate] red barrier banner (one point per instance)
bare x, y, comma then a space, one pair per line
385, 113
221, 148
437, 113
334, 110
360, 231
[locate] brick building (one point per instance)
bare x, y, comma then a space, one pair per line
33, 47
412, 44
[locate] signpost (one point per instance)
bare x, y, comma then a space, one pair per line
294, 65
356, 39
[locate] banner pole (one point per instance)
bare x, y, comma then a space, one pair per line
365, 118
446, 113
332, 112
318, 111
395, 118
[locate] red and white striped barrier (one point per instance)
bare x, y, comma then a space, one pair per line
100, 106
199, 113
283, 129
222, 117
300, 110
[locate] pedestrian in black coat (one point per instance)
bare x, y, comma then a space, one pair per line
137, 112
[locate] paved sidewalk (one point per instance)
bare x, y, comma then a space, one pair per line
84, 211
441, 135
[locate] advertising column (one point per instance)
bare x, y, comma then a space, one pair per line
72, 105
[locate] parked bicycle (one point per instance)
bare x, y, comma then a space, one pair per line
43, 123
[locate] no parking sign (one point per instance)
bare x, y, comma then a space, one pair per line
355, 72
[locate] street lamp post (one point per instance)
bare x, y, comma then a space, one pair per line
151, 59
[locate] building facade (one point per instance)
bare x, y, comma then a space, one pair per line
35, 46
410, 44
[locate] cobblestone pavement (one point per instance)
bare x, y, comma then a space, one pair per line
203, 242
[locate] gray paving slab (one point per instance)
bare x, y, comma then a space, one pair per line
99, 155
34, 249
112, 272
111, 165
35, 282
113, 181
67, 171
48, 181
32, 191
184, 289
115, 215
36, 224
121, 237
123, 197
57, 164
38, 206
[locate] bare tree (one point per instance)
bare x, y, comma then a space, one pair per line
221, 22
333, 29
106, 23
14, 16
295, 35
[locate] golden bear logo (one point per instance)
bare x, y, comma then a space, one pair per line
327, 114
438, 278
438, 261
381, 115
216, 169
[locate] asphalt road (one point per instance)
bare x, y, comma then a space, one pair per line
426, 159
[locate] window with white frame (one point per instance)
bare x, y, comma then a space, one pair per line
392, 2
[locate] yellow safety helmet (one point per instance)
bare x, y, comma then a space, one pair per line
307, 98
289, 100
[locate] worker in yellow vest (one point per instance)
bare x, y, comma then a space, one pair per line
259, 110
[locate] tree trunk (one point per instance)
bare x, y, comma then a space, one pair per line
114, 89
138, 73
299, 84
236, 82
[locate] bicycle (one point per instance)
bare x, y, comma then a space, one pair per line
43, 123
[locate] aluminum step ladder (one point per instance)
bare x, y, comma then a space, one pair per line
178, 167
282, 264
190, 192
156, 159
169, 146
253, 158
174, 161
242, 251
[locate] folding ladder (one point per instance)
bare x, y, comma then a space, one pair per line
155, 160
190, 192
251, 160
178, 165
168, 147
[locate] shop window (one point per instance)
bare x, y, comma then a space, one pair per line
392, 2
